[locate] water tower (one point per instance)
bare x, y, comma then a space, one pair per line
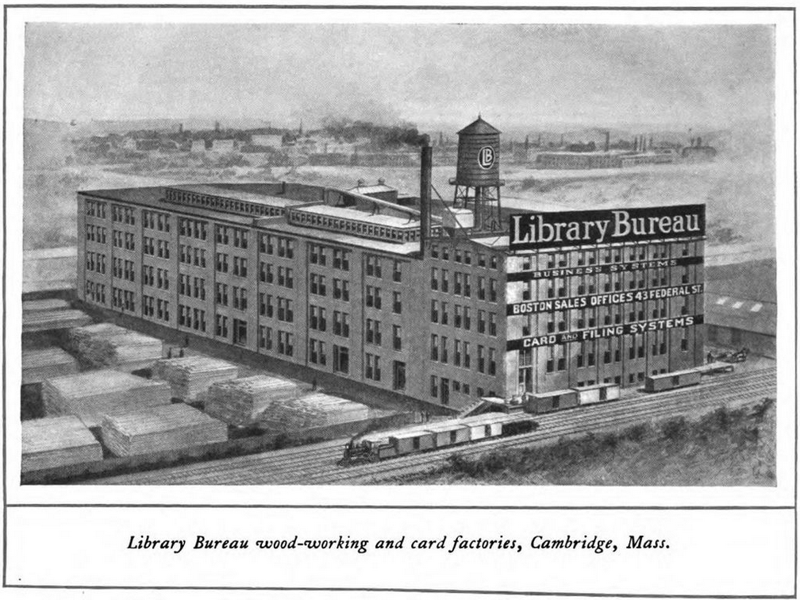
477, 182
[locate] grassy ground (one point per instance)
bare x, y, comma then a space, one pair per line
728, 447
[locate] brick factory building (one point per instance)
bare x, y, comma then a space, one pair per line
444, 310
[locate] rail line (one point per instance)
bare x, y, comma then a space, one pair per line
316, 464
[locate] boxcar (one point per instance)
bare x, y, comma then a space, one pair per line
448, 433
593, 394
484, 426
671, 381
415, 440
546, 402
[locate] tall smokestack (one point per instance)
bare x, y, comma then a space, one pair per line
425, 177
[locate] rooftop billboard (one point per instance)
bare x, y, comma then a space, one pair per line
533, 231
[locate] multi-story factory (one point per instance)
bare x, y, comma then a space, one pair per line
442, 308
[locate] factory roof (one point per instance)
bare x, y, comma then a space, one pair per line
232, 192
372, 189
479, 126
358, 215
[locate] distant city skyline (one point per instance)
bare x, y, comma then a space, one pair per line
434, 76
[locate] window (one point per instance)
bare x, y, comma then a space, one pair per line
372, 367
285, 310
318, 284
222, 262
397, 274
341, 259
286, 277
341, 289
373, 297
285, 343
492, 290
316, 352
481, 359
399, 375
222, 326
373, 266
239, 266
481, 321
222, 294
445, 281
341, 324
341, 359
373, 333
397, 303
318, 318
397, 338
239, 298
434, 311
434, 347
240, 332
434, 278
317, 255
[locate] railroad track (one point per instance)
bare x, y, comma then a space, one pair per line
317, 464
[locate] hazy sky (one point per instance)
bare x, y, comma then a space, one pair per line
427, 74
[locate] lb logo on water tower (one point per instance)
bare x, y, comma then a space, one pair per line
486, 157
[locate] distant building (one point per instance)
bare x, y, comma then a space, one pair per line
267, 140
198, 146
599, 160
147, 145
222, 146
381, 191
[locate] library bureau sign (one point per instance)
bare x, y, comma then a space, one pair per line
585, 335
531, 231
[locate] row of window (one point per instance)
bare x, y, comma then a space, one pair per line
238, 295
193, 228
193, 318
374, 268
227, 235
155, 307
124, 300
608, 255
95, 261
193, 287
462, 355
96, 292
462, 317
461, 256
122, 239
155, 220
154, 247
586, 318
374, 300
190, 255
440, 282
318, 287
558, 287
319, 254
267, 274
276, 245
155, 277
123, 214
373, 334
441, 387
95, 208
95, 233
239, 264
124, 269
282, 343
267, 307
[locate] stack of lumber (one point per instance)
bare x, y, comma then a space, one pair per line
38, 365
46, 304
191, 376
91, 395
57, 442
106, 344
240, 401
45, 320
314, 410
159, 429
